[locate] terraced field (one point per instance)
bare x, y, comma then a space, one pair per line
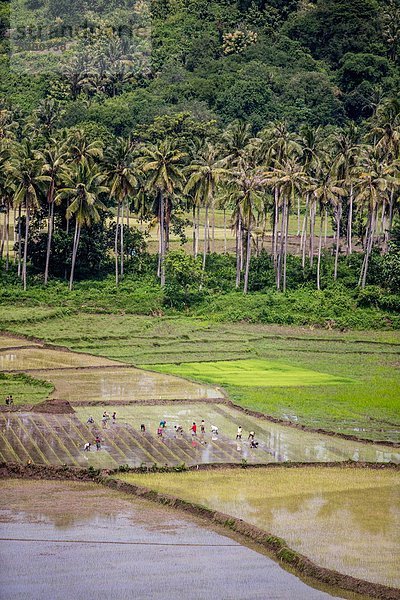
138, 397
59, 439
368, 407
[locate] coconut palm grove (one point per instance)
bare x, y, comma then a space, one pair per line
200, 299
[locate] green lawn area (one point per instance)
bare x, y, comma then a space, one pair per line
23, 388
250, 373
368, 406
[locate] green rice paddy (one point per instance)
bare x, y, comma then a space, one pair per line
250, 373
23, 389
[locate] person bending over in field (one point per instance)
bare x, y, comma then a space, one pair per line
86, 447
143, 428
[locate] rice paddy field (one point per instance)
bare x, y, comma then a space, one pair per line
181, 371
344, 519
139, 549
345, 382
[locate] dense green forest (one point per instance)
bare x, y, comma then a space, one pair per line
277, 121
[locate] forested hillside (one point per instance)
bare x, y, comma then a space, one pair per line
318, 63
207, 147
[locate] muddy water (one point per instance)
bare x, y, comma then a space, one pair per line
123, 385
277, 443
343, 519
61, 540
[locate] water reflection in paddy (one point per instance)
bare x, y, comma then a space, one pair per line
343, 519
278, 443
87, 538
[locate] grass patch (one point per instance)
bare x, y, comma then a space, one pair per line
23, 388
250, 373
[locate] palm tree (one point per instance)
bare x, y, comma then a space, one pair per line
80, 150
313, 152
205, 173
84, 184
277, 145
345, 160
371, 184
327, 192
53, 160
122, 181
163, 163
290, 179
248, 202
25, 171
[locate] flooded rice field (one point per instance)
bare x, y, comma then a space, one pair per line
28, 359
59, 439
124, 385
342, 519
83, 538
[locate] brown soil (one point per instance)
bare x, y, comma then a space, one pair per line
54, 407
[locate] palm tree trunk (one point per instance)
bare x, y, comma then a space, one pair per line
213, 227
238, 242
116, 245
275, 226
241, 249
194, 230
205, 238
162, 239
338, 219
197, 231
369, 243
25, 247
50, 226
7, 219
325, 227
224, 230
15, 237
303, 242
159, 245
74, 253
248, 256
389, 224
320, 251
19, 240
282, 245
3, 235
122, 240
285, 248
350, 223
298, 217
313, 211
